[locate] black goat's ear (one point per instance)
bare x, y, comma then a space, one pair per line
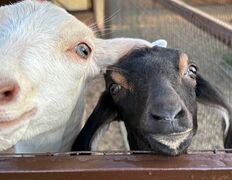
208, 94
105, 112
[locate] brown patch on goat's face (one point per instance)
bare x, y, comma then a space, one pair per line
120, 79
183, 64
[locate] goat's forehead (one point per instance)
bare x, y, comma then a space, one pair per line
164, 55
33, 20
153, 55
144, 64
139, 60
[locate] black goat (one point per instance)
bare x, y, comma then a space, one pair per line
155, 92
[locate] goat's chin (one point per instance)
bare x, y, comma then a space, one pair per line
172, 144
11, 130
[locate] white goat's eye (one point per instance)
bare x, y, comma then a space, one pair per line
115, 88
192, 71
83, 50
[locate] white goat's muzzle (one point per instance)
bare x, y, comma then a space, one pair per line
6, 122
8, 91
10, 112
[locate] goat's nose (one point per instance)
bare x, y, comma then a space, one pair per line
8, 91
168, 114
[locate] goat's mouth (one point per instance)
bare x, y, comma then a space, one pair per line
171, 144
7, 123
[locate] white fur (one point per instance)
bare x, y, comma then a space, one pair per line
161, 43
172, 141
36, 50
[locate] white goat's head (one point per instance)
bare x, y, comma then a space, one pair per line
46, 56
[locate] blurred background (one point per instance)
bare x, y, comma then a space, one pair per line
202, 28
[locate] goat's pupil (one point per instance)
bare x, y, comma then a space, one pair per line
83, 50
192, 69
114, 89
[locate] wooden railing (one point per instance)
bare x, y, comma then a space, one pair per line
114, 166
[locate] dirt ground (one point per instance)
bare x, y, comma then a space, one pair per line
152, 23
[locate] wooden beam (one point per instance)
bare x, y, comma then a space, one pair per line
202, 166
99, 13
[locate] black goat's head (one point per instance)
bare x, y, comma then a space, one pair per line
155, 92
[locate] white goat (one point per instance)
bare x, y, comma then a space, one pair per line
46, 58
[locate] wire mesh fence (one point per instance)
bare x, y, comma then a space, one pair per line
222, 12
151, 20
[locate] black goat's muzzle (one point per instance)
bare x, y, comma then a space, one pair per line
171, 144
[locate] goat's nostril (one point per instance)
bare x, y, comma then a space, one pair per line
8, 91
179, 114
157, 118
168, 115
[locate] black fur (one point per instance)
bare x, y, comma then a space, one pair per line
103, 113
159, 101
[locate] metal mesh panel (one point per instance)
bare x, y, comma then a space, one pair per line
151, 21
221, 9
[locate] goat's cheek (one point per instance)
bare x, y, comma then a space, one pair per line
121, 98
28, 79
78, 66
189, 81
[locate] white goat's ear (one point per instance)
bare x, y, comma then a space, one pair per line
161, 43
109, 51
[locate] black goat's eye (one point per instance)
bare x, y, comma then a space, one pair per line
115, 89
83, 50
192, 71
